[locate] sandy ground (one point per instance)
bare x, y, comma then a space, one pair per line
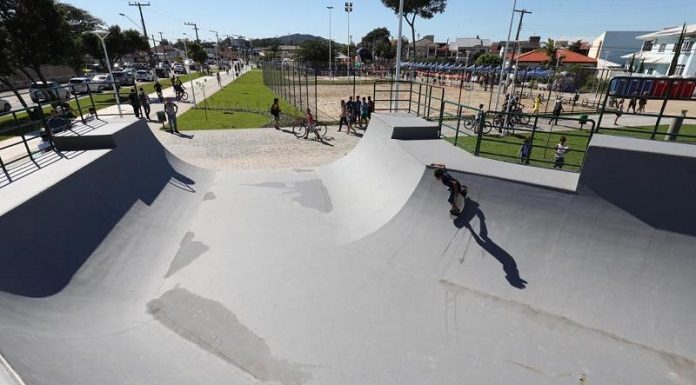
330, 96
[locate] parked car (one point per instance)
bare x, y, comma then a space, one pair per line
4, 106
179, 69
103, 81
49, 91
144, 76
123, 78
84, 85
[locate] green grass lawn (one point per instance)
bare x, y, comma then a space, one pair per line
506, 148
9, 126
244, 103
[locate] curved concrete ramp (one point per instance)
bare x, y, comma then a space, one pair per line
348, 273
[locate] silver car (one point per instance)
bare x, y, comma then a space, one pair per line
48, 91
144, 76
84, 85
4, 106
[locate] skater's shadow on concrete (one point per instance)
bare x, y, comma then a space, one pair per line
472, 210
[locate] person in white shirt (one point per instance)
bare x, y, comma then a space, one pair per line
561, 150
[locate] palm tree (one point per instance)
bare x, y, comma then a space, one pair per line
550, 49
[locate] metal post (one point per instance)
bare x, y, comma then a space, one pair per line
330, 44
502, 68
459, 120
102, 35
398, 55
662, 110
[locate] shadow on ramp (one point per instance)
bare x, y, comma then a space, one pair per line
50, 236
472, 210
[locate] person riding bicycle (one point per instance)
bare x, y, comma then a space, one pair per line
158, 89
178, 88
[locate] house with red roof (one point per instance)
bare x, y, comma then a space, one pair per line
539, 58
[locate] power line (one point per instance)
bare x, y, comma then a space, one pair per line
195, 28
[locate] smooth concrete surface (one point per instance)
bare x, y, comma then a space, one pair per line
140, 269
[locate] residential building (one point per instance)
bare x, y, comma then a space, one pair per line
568, 57
467, 48
658, 49
612, 45
427, 48
522, 46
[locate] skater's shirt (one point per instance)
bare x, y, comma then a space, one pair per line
447, 179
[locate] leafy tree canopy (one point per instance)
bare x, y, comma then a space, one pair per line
489, 59
425, 9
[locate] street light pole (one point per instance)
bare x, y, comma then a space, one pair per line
330, 55
185, 50
398, 52
102, 35
349, 9
164, 51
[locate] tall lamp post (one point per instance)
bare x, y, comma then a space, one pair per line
185, 50
349, 9
101, 34
330, 8
217, 47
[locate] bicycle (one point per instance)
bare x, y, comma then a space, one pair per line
299, 128
181, 93
471, 124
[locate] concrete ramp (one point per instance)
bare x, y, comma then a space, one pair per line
127, 266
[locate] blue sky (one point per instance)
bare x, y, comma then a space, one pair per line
560, 19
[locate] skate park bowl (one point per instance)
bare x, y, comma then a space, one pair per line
126, 265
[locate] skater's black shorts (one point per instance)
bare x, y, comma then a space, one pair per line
460, 188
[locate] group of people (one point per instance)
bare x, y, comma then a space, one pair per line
356, 112
641, 101
140, 102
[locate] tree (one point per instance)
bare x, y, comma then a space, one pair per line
489, 59
378, 42
549, 48
39, 34
197, 53
425, 9
576, 46
80, 22
7, 66
118, 43
315, 51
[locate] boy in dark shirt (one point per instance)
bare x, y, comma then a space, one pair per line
453, 185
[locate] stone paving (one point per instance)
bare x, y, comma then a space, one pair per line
256, 148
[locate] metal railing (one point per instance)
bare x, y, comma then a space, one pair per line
27, 134
424, 100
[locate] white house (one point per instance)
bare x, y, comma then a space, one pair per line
658, 50
612, 45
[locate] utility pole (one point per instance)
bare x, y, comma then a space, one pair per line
505, 50
142, 20
515, 55
164, 51
217, 46
195, 28
330, 55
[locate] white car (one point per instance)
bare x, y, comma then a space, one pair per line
48, 91
103, 80
84, 85
4, 106
144, 76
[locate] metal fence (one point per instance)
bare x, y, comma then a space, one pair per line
297, 85
26, 135
424, 100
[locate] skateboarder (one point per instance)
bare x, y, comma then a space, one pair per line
453, 185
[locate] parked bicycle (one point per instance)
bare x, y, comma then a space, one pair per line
471, 123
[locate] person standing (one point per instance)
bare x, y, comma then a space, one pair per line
537, 104
158, 89
217, 75
371, 107
525, 151
275, 111
170, 108
642, 101
557, 108
619, 111
632, 102
561, 150
144, 102
134, 102
344, 117
364, 112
